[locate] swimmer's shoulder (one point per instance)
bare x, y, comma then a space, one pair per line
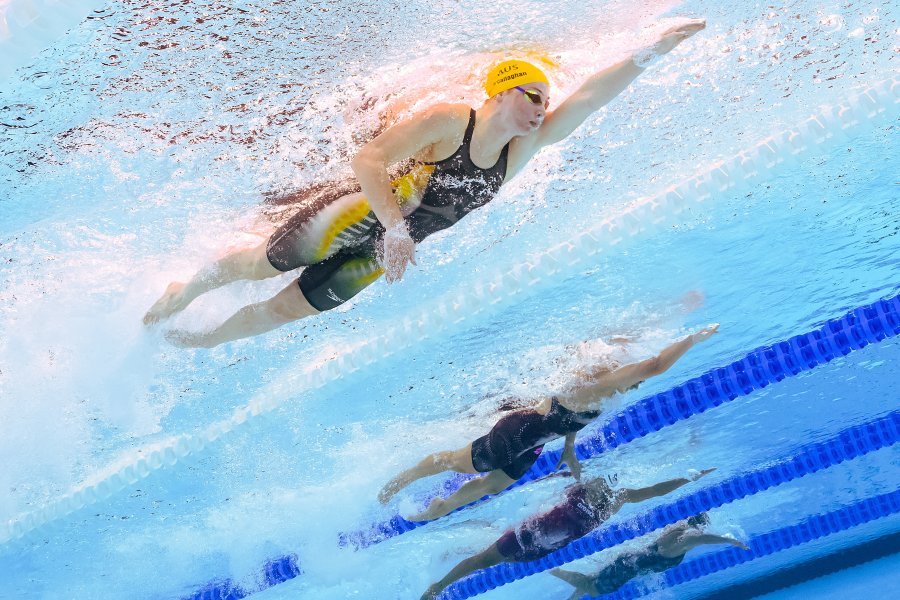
446, 125
446, 116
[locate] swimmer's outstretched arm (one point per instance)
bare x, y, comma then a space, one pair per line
629, 376
689, 542
628, 495
599, 89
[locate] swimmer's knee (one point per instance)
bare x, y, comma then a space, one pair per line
290, 304
499, 479
259, 266
443, 459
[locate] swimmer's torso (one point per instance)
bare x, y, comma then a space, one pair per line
432, 196
575, 517
441, 193
337, 238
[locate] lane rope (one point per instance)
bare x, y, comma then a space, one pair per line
847, 445
810, 529
840, 336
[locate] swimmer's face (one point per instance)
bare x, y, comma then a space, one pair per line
529, 107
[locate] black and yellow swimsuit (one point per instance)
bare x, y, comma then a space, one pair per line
337, 241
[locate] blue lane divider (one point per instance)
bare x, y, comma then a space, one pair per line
858, 328
848, 444
871, 323
812, 528
276, 571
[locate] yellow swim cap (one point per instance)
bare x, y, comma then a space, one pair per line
511, 73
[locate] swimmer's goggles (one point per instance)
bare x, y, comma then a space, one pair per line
533, 96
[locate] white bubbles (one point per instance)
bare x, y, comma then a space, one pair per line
832, 23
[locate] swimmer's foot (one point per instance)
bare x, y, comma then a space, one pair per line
170, 302
435, 509
391, 488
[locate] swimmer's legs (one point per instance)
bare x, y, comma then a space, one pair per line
483, 560
492, 483
452, 460
583, 584
287, 305
250, 263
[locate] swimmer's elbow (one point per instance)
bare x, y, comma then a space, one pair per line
368, 158
653, 367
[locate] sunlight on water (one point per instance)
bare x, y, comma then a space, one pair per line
154, 138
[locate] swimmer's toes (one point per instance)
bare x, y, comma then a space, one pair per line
181, 339
387, 492
169, 303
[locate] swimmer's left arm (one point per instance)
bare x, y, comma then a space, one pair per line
601, 88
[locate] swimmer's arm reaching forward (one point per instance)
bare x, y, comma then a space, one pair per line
631, 375
635, 495
690, 541
602, 87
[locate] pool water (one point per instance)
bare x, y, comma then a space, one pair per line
141, 145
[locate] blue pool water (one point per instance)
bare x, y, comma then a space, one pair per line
140, 145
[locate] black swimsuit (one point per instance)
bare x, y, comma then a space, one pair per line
518, 439
457, 186
338, 240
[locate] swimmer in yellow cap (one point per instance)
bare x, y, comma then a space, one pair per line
461, 157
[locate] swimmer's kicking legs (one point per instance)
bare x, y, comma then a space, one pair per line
249, 264
380, 228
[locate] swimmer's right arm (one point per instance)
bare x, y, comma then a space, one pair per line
631, 375
660, 489
370, 165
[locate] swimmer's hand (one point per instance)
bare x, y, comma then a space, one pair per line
705, 333
568, 457
673, 36
739, 544
697, 475
399, 250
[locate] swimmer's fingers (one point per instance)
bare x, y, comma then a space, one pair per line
706, 333
677, 34
405, 256
696, 476
568, 457
710, 330
691, 27
686, 29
